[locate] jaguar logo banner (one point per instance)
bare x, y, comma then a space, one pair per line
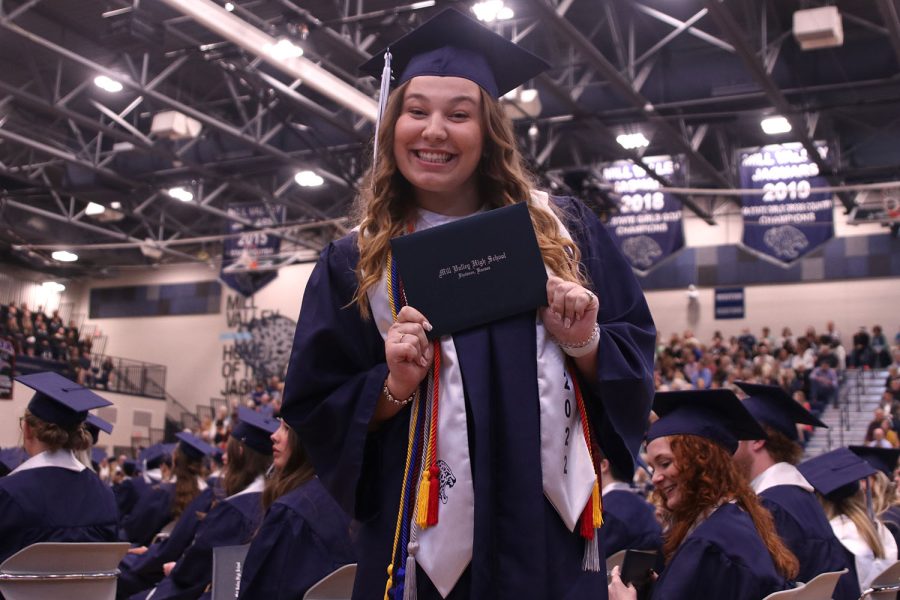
244, 254
648, 227
786, 220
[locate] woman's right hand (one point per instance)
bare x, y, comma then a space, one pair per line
617, 589
408, 352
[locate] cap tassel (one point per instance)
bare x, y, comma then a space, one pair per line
382, 98
591, 520
433, 494
409, 584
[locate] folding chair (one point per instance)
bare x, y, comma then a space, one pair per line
615, 560
335, 586
819, 587
885, 586
62, 571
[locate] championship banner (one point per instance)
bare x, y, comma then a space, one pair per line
7, 368
787, 220
243, 253
648, 228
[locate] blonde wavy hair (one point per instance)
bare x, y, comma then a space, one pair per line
385, 202
854, 508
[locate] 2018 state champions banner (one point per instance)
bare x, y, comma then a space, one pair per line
648, 228
249, 246
787, 220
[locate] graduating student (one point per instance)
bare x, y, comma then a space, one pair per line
129, 489
142, 567
304, 536
769, 466
52, 497
497, 445
836, 476
629, 521
885, 502
721, 542
234, 520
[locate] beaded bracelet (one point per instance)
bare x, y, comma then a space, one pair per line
584, 348
394, 401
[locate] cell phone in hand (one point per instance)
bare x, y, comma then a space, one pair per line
637, 570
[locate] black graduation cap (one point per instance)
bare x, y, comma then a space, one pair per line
193, 447
716, 415
836, 474
772, 406
255, 430
95, 425
451, 44
58, 400
883, 459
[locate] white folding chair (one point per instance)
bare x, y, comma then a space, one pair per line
62, 571
885, 586
336, 586
820, 587
615, 560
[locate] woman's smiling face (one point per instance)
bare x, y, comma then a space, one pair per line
438, 142
665, 472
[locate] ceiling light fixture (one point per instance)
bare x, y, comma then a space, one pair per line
284, 50
179, 193
775, 125
53, 286
308, 179
64, 256
492, 10
630, 141
115, 205
108, 83
94, 209
229, 7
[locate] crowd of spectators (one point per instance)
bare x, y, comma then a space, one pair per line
36, 334
265, 399
807, 366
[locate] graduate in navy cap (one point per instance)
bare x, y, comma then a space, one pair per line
166, 501
500, 464
304, 536
142, 568
885, 502
52, 497
721, 542
769, 465
629, 521
836, 475
234, 520
99, 459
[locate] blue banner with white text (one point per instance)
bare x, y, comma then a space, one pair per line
248, 247
787, 220
648, 227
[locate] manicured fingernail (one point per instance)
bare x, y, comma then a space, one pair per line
567, 323
423, 362
427, 326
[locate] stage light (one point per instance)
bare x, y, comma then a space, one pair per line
64, 256
775, 125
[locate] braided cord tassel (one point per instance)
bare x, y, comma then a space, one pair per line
592, 515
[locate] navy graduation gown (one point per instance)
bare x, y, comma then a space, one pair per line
53, 504
141, 572
127, 494
150, 514
724, 557
231, 522
521, 547
628, 523
802, 525
304, 536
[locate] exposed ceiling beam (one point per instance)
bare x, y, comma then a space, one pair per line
888, 11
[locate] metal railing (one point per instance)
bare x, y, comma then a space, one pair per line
127, 376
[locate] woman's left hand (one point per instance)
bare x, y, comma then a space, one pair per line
617, 589
572, 311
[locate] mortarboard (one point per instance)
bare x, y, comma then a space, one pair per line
95, 425
130, 467
193, 447
836, 474
716, 415
451, 44
59, 400
98, 455
883, 459
772, 406
255, 430
10, 458
154, 455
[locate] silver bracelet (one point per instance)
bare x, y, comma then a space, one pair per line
579, 349
390, 397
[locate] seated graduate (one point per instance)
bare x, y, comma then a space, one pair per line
304, 536
836, 476
885, 502
234, 520
142, 567
721, 542
163, 503
129, 488
769, 466
629, 521
52, 497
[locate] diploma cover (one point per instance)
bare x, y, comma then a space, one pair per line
473, 271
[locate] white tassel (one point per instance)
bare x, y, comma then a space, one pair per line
409, 582
382, 100
591, 561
